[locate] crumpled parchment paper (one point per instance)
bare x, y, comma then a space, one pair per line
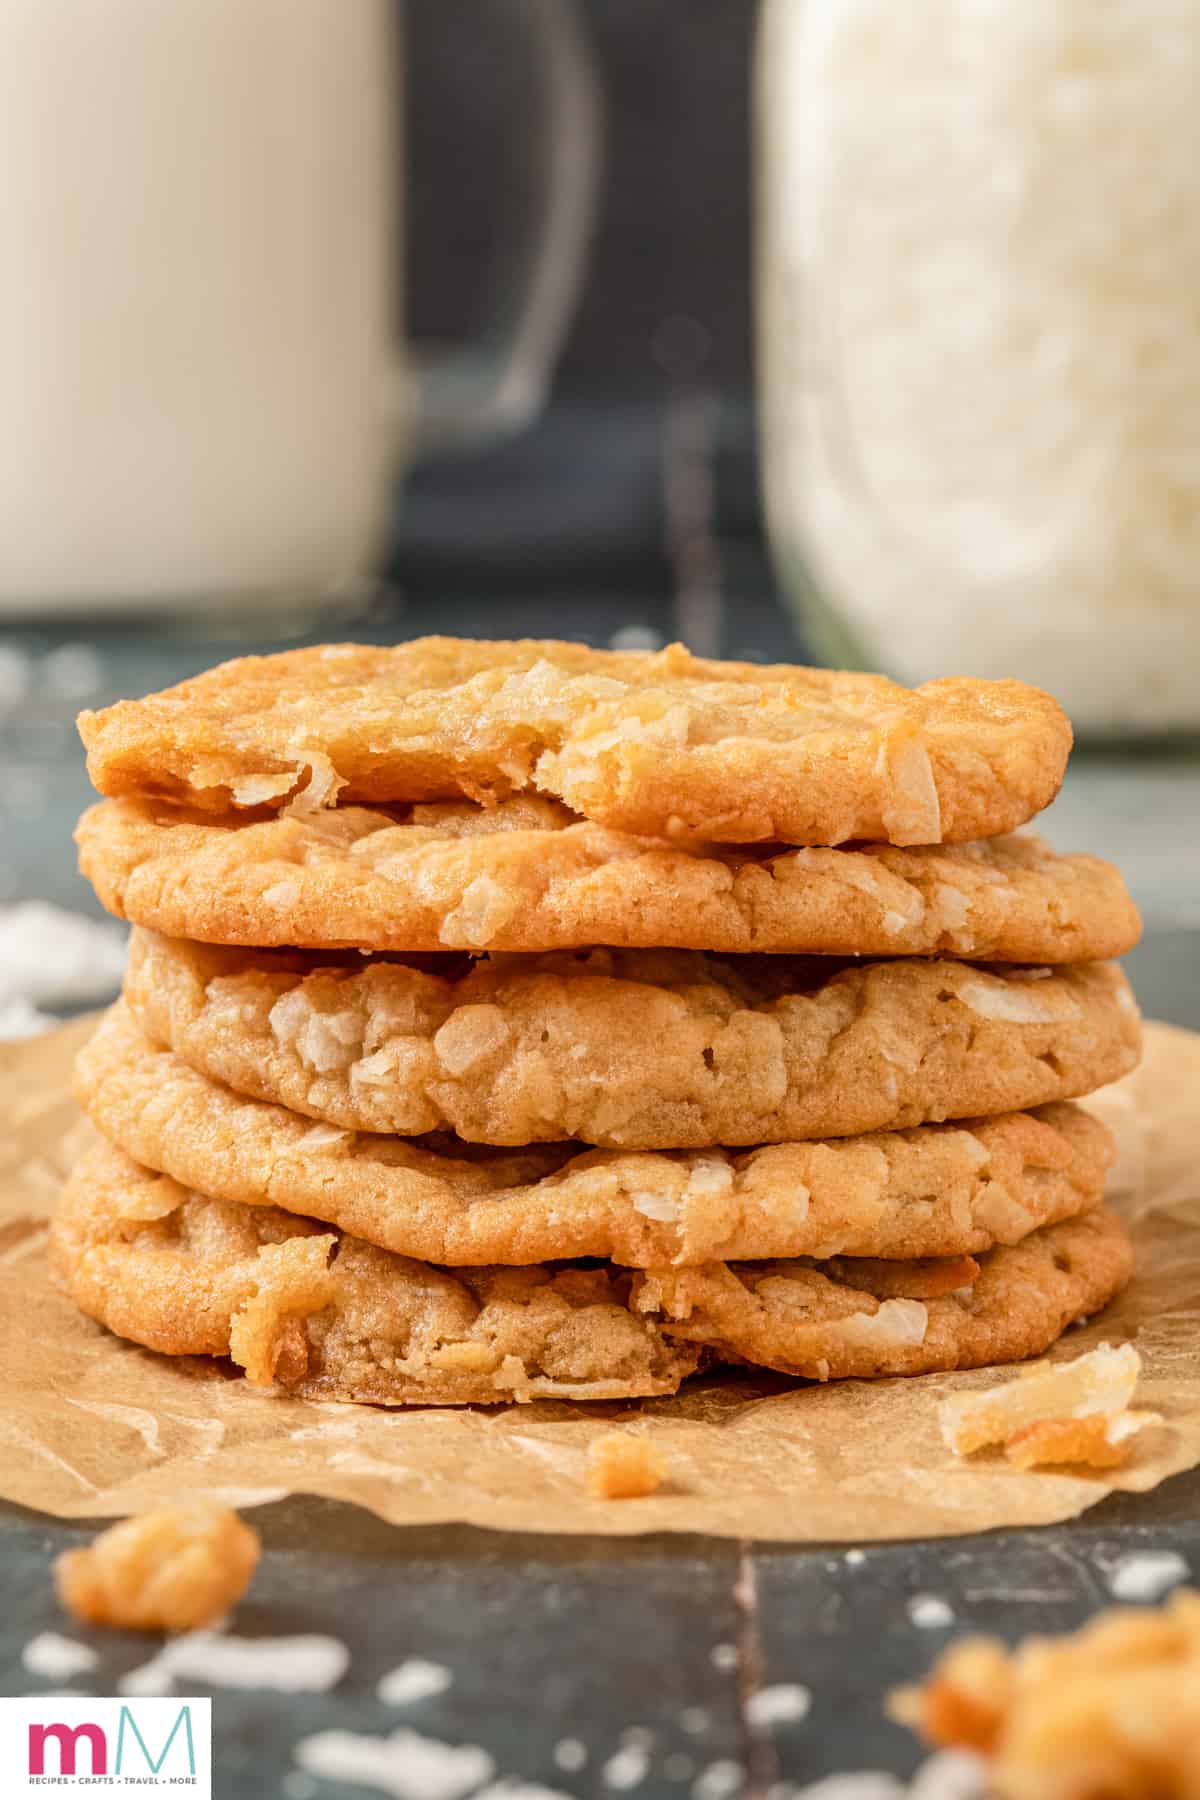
92, 1426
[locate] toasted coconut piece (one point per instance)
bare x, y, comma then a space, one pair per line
1112, 1710
1069, 1412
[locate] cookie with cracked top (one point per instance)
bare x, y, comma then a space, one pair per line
664, 744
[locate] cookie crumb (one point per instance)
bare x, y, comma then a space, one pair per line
174, 1569
624, 1467
1071, 1412
1110, 1707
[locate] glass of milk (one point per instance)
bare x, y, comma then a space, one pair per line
979, 333
205, 398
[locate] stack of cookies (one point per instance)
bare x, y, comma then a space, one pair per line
518, 1019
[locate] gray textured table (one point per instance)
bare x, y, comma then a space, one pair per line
641, 1650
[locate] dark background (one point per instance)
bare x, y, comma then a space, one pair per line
658, 365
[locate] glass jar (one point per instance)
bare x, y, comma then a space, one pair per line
978, 273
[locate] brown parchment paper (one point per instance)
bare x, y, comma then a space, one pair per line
93, 1426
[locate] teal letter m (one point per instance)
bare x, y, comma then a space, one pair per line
183, 1717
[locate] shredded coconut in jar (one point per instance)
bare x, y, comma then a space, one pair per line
982, 339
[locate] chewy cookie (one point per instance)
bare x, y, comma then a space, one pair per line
836, 1320
933, 1191
667, 745
637, 1049
527, 875
332, 1318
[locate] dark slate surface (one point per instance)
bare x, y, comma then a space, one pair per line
550, 1639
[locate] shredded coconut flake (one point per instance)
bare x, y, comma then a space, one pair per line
708, 1178
784, 1704
374, 1070
282, 894
1146, 1575
290, 1665
913, 812
53, 957
256, 790
57, 1658
952, 905
404, 1765
898, 1322
995, 1000
321, 790
930, 1612
662, 1208
627, 1769
469, 1036
319, 1137
485, 909
414, 1680
719, 1781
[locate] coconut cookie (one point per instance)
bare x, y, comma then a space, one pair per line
329, 1317
633, 1049
528, 875
668, 745
934, 1191
843, 1319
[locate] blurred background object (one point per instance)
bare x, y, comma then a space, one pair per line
209, 388
626, 511
979, 274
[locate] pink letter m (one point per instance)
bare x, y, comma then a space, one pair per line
68, 1737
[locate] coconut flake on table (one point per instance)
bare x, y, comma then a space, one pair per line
626, 1769
721, 1780
930, 1612
784, 1703
49, 956
413, 1680
404, 1765
511, 1787
947, 1775
57, 1658
1146, 1575
305, 1664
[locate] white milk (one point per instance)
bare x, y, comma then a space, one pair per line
196, 309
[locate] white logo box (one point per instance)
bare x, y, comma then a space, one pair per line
77, 1743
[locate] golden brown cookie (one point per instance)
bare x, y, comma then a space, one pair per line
331, 1318
933, 1191
834, 1320
526, 875
636, 1049
668, 744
